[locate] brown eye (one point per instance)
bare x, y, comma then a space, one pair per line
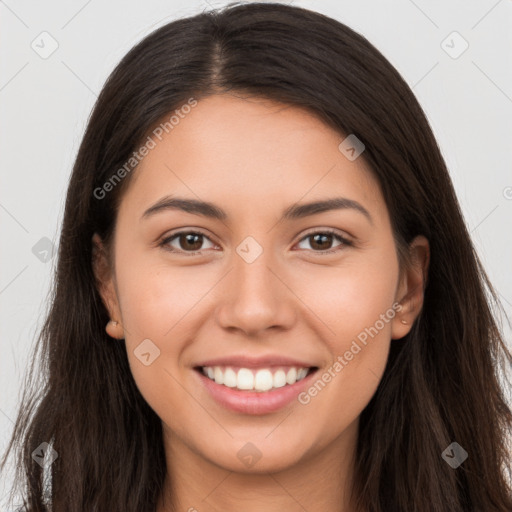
321, 241
186, 241
190, 241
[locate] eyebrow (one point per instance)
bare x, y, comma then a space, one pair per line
296, 211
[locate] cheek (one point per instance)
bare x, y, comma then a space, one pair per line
157, 299
356, 304
158, 308
351, 299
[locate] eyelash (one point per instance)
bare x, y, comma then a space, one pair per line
344, 241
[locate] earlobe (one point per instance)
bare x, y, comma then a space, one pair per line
410, 294
115, 330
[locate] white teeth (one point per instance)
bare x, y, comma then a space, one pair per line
218, 375
245, 379
291, 376
280, 379
257, 380
302, 373
230, 379
263, 380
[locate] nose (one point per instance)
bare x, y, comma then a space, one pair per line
255, 297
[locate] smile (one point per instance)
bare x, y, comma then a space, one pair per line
256, 387
263, 379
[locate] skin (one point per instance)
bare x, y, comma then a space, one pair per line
254, 158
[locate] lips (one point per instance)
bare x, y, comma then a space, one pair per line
254, 385
244, 361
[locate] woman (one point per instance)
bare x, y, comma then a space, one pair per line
266, 295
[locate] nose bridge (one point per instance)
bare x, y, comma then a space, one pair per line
255, 298
252, 271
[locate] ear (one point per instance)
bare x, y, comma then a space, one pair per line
104, 280
410, 292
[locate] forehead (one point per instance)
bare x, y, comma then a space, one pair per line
248, 154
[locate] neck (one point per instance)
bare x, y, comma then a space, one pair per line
319, 481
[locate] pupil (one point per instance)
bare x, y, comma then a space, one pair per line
189, 238
324, 237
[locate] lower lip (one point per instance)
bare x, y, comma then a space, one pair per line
254, 402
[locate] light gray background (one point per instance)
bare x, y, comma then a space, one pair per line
44, 105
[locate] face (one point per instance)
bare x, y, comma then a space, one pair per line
258, 289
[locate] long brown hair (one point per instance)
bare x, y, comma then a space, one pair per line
442, 381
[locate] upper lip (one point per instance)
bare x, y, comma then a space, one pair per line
245, 361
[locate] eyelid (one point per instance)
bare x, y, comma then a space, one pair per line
333, 231
345, 239
164, 242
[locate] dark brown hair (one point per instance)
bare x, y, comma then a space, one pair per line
442, 381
